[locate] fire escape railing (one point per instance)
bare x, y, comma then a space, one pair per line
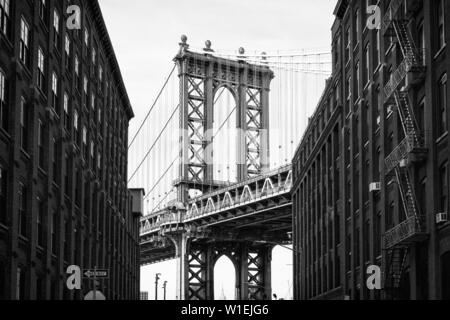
412, 229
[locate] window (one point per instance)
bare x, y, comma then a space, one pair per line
85, 89
40, 139
99, 117
367, 64
441, 23
390, 143
443, 201
4, 17
67, 49
67, 45
55, 160
3, 194
86, 39
43, 10
40, 291
77, 65
92, 154
53, 228
100, 75
41, 70
66, 111
348, 45
39, 222
55, 91
23, 125
348, 95
357, 80
22, 223
99, 161
421, 117
24, 53
421, 43
378, 49
56, 29
20, 284
94, 56
93, 101
390, 216
357, 27
85, 146
66, 174
443, 105
3, 106
377, 235
75, 126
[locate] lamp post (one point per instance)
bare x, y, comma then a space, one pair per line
164, 288
157, 277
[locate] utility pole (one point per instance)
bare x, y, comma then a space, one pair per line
157, 277
164, 288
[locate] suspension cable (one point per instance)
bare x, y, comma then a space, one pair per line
173, 162
153, 145
152, 107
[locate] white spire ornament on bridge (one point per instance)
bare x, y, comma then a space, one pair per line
264, 58
208, 46
183, 44
241, 54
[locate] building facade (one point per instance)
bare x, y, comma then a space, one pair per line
64, 115
371, 173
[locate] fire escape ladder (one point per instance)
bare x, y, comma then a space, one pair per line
396, 262
407, 193
409, 122
407, 45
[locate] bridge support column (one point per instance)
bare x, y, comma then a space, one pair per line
181, 243
254, 274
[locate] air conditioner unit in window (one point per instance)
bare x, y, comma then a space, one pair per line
403, 163
441, 217
390, 109
375, 186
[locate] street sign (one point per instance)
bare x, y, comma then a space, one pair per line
96, 273
95, 295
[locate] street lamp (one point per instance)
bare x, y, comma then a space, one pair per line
157, 277
164, 288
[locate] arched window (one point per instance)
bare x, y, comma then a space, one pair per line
224, 279
224, 136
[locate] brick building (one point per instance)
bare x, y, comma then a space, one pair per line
371, 173
64, 115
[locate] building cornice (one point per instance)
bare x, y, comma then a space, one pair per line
110, 55
341, 8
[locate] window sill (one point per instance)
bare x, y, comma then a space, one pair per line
4, 135
24, 154
377, 69
439, 52
441, 138
3, 227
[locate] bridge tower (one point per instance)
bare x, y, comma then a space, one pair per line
201, 75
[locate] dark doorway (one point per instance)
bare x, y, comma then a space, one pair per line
445, 282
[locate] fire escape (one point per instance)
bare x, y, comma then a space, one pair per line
410, 150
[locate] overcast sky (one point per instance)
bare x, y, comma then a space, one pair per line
145, 35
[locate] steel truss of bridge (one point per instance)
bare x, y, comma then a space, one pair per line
242, 221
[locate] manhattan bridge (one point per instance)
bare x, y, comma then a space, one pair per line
213, 155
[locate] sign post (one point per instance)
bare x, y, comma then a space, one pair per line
93, 275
